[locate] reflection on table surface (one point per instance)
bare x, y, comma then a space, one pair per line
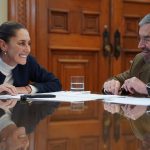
18, 122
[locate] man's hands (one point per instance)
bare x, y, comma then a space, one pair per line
129, 111
133, 112
112, 86
14, 138
134, 86
112, 108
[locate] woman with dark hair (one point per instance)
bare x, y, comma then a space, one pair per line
21, 74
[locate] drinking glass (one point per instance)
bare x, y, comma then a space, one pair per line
77, 85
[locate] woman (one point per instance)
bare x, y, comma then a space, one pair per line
21, 74
17, 67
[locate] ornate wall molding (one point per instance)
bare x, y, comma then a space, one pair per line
17, 11
90, 23
24, 11
21, 9
131, 25
58, 21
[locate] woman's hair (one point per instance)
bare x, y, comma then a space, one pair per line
8, 29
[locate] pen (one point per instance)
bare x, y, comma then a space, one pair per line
25, 97
106, 92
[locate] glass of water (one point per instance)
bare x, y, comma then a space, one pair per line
77, 85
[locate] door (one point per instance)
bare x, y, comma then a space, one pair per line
95, 39
74, 38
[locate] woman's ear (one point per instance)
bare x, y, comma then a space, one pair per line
3, 45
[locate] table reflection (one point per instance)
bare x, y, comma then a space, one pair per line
30, 113
18, 122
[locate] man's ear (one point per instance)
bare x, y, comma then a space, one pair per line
3, 45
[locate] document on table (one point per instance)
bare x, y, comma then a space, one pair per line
68, 96
63, 96
129, 100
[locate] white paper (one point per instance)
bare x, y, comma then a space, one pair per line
68, 96
65, 96
129, 100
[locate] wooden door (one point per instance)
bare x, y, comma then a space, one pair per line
74, 32
68, 40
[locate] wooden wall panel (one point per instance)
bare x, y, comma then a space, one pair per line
75, 63
89, 143
58, 21
90, 23
131, 25
77, 138
58, 144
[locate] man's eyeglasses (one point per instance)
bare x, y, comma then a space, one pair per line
144, 39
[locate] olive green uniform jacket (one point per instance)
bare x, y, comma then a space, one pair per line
141, 70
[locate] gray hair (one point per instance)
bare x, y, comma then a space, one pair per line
145, 20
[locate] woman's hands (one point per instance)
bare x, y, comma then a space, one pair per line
24, 90
6, 105
8, 89
12, 90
